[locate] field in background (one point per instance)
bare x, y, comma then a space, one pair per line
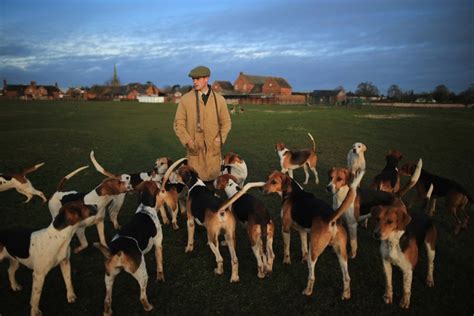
128, 137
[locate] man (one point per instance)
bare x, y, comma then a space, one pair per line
202, 122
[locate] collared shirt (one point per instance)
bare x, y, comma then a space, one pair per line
205, 95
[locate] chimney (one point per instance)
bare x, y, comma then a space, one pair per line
56, 85
4, 83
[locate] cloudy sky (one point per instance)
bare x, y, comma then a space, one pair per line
314, 44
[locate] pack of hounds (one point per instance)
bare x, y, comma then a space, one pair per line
171, 188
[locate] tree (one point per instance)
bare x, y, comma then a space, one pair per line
467, 96
367, 89
394, 92
441, 93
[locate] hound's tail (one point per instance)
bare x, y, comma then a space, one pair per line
312, 139
31, 169
99, 168
169, 170
236, 196
105, 250
413, 180
350, 197
69, 176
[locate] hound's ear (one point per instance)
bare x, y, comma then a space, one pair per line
375, 211
139, 187
285, 182
331, 171
403, 219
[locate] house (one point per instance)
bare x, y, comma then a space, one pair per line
32, 91
223, 87
328, 97
266, 85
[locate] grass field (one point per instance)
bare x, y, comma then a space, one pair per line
128, 137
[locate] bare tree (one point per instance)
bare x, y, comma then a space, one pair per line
441, 93
367, 89
394, 92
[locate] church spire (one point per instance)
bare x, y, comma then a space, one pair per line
115, 79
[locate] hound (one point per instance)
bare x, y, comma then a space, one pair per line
401, 237
44, 249
260, 228
308, 214
211, 212
293, 159
233, 164
232, 110
128, 247
359, 211
389, 179
21, 184
457, 197
133, 178
100, 197
356, 158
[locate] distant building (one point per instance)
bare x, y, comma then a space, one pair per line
252, 89
266, 85
32, 91
328, 97
128, 92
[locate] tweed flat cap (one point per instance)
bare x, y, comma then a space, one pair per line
200, 71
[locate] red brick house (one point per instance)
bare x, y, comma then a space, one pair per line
127, 92
222, 87
32, 91
262, 85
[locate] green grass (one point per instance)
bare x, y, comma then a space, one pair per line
128, 137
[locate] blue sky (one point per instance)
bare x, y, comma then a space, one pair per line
313, 44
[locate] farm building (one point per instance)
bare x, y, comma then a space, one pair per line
32, 91
328, 97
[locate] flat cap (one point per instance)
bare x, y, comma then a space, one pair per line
200, 71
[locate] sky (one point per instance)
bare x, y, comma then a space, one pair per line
313, 44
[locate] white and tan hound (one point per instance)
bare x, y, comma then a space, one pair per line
128, 247
21, 184
293, 159
44, 249
356, 158
359, 211
401, 236
233, 164
308, 214
207, 210
100, 196
251, 212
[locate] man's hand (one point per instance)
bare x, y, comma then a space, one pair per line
191, 145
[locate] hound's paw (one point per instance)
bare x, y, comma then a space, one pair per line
353, 254
429, 282
165, 221
317, 181
117, 226
189, 248
79, 248
148, 307
388, 298
36, 312
261, 273
220, 269
307, 292
71, 298
160, 277
405, 303
346, 295
305, 258
175, 226
287, 259
16, 287
235, 279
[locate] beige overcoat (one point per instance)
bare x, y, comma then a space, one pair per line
206, 156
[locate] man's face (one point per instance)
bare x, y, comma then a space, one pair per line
200, 83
